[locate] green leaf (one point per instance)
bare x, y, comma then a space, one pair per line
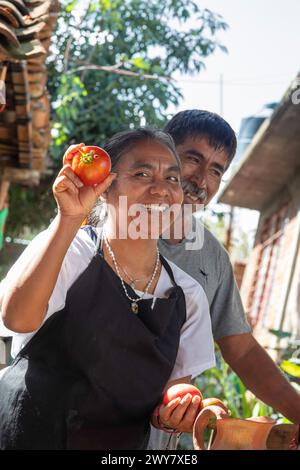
280, 333
290, 368
140, 63
105, 5
71, 5
92, 7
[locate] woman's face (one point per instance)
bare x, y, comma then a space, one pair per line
146, 195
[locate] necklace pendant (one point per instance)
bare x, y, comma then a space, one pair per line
135, 308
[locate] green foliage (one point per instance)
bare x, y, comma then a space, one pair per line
280, 334
140, 36
215, 221
291, 368
223, 383
31, 209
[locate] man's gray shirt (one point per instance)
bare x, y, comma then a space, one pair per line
211, 267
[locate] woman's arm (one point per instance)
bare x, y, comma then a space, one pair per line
25, 302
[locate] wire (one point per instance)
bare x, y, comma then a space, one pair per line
230, 82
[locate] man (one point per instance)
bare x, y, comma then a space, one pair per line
206, 145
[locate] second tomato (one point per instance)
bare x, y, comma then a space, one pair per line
179, 391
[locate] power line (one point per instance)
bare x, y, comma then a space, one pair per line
230, 82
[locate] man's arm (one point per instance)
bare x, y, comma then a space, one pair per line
260, 374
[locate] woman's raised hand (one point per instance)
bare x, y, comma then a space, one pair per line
73, 198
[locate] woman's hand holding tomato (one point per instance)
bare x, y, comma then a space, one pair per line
180, 413
74, 199
181, 405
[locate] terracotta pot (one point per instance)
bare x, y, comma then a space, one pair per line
260, 433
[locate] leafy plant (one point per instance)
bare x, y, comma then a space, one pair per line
101, 55
112, 64
291, 368
31, 209
289, 355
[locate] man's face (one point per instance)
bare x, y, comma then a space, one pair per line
202, 169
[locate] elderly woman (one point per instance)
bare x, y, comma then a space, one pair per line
101, 324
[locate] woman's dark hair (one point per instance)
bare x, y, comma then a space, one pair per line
122, 142
116, 147
200, 123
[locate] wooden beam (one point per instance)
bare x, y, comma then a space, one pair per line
4, 188
21, 176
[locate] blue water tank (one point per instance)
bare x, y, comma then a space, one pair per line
248, 128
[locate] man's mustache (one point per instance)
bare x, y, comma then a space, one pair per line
191, 188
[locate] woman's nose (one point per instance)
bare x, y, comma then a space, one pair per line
159, 187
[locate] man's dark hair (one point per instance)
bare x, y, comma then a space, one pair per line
122, 142
200, 123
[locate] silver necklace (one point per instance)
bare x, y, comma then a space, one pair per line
134, 302
132, 281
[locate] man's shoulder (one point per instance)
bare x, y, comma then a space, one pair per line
211, 242
213, 251
211, 247
185, 280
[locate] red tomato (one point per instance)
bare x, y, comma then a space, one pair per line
92, 165
180, 390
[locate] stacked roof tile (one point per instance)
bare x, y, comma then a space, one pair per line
26, 27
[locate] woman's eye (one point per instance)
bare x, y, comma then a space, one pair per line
174, 179
141, 173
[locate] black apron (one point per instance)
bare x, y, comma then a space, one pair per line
94, 372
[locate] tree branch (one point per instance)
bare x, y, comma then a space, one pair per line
115, 69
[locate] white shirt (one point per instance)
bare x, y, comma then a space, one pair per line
196, 348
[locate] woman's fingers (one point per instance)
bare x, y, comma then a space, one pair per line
70, 152
182, 414
102, 187
69, 173
165, 412
187, 420
63, 183
67, 179
178, 413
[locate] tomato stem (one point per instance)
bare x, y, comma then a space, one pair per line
87, 157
